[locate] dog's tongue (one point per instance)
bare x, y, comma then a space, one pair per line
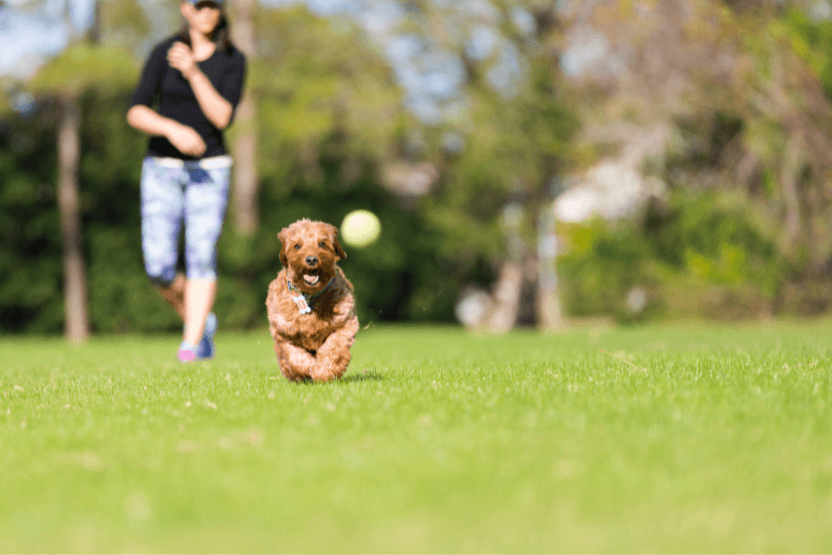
311, 279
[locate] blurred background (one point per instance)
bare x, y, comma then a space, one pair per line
533, 163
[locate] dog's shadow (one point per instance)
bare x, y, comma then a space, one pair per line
365, 376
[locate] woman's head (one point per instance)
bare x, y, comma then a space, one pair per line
208, 18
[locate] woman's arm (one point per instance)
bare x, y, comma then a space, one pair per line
142, 117
146, 119
184, 138
217, 109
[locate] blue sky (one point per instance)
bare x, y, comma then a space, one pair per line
27, 37
431, 77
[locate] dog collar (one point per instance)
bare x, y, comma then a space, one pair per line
303, 300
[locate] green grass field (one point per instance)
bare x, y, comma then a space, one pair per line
654, 439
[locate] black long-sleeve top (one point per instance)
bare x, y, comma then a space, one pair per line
160, 83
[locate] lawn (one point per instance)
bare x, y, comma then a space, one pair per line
695, 438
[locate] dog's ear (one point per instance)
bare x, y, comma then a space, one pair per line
283, 238
336, 245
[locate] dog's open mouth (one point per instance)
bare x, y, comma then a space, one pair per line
312, 277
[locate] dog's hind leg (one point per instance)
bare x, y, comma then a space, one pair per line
333, 356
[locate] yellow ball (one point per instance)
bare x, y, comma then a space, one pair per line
360, 228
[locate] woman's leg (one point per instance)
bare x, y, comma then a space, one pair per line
199, 299
174, 294
206, 197
162, 204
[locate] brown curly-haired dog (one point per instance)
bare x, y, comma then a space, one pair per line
311, 304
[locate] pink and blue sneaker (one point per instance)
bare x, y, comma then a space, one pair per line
186, 352
205, 350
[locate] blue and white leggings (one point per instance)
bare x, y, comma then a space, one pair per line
173, 191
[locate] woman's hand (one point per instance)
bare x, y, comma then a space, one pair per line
182, 58
183, 137
186, 140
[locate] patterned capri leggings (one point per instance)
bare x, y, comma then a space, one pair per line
173, 191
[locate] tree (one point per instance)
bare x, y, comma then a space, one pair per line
317, 88
75, 281
83, 65
245, 190
76, 327
514, 141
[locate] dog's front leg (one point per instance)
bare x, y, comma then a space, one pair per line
295, 362
333, 356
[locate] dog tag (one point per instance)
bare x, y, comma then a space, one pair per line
303, 306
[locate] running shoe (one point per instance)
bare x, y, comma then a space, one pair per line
206, 346
186, 352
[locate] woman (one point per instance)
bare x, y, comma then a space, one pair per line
195, 80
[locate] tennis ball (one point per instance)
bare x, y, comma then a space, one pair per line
360, 228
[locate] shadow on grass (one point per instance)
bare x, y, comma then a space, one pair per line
365, 376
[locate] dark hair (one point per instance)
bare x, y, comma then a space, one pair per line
222, 33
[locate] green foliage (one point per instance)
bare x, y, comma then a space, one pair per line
82, 67
602, 263
687, 254
315, 77
513, 148
6, 86
323, 136
812, 41
670, 439
331, 120
125, 23
745, 232
721, 239
30, 257
398, 277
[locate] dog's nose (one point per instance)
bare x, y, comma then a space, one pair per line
312, 261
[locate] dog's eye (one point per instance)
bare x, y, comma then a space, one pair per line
297, 246
322, 244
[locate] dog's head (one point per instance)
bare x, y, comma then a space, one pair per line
309, 252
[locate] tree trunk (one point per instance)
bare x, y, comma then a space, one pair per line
548, 301
245, 208
790, 173
76, 324
506, 298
